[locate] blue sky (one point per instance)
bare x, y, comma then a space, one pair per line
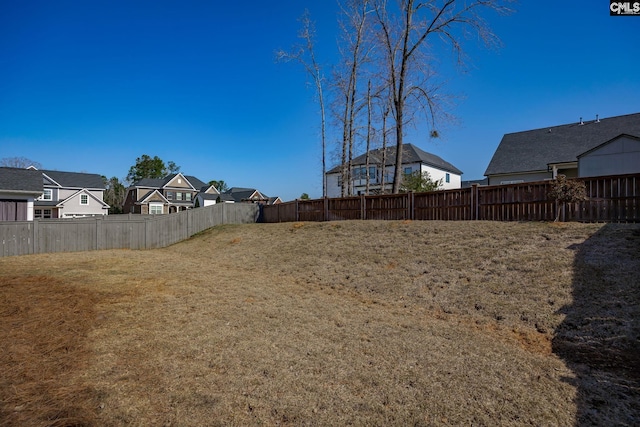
89, 86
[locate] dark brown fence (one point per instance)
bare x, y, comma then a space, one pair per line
610, 199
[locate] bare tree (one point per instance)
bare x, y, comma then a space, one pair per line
19, 162
405, 38
305, 55
354, 49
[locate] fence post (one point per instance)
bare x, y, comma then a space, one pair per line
325, 212
363, 207
99, 233
36, 236
224, 213
411, 205
297, 207
474, 189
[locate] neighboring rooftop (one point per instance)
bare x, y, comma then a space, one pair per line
19, 180
534, 150
74, 179
410, 154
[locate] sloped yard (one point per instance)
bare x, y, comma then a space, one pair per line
361, 323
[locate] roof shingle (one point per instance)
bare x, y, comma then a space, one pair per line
533, 150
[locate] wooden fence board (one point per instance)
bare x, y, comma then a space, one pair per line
610, 199
117, 231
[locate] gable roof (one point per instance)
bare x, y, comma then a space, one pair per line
74, 179
534, 150
161, 182
147, 197
410, 154
24, 181
598, 147
240, 194
75, 195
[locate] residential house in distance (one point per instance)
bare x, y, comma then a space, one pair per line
587, 148
19, 188
174, 193
178, 192
249, 195
70, 195
413, 159
59, 194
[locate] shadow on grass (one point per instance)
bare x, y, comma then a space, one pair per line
599, 338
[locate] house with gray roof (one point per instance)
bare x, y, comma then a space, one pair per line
249, 195
173, 193
598, 147
28, 194
18, 190
382, 166
70, 195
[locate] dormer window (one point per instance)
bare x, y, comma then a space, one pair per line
48, 194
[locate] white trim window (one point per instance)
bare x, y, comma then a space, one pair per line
47, 194
84, 199
155, 208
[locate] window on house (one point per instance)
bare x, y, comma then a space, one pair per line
178, 196
155, 209
187, 196
48, 194
84, 199
447, 178
407, 171
42, 213
169, 195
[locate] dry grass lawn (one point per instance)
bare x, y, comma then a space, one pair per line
342, 323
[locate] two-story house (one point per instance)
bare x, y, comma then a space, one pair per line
413, 160
174, 193
70, 195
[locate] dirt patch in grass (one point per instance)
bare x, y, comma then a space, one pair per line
365, 323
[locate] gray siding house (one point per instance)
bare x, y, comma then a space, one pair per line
70, 195
586, 148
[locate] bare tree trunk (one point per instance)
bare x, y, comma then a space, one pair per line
385, 115
368, 136
307, 33
403, 40
356, 16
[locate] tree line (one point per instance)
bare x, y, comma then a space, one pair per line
386, 78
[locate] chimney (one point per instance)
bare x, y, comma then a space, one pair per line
597, 118
581, 122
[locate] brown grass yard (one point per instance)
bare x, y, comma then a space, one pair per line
342, 323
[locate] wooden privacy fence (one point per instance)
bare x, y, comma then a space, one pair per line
610, 199
118, 231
